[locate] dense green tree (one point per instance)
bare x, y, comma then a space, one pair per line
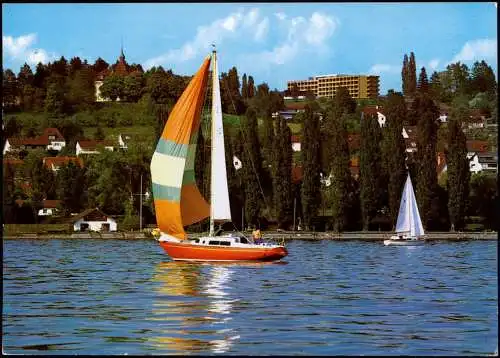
70, 130
458, 173
9, 199
427, 114
99, 133
10, 90
100, 65
393, 150
338, 166
484, 198
25, 75
108, 177
113, 87
162, 114
40, 76
252, 167
54, 102
435, 88
244, 87
81, 93
232, 101
75, 64
369, 170
483, 78
282, 175
71, 188
268, 138
412, 75
310, 150
133, 86
423, 82
343, 102
41, 180
404, 75
251, 87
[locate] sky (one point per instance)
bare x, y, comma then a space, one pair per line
273, 42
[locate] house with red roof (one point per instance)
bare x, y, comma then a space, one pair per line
51, 139
93, 146
55, 163
374, 112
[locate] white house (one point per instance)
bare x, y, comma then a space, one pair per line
479, 162
123, 139
409, 134
375, 111
93, 220
51, 139
92, 146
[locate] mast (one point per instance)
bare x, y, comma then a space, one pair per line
212, 133
220, 209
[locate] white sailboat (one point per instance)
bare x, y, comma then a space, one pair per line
409, 229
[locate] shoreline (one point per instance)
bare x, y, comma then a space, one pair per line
285, 235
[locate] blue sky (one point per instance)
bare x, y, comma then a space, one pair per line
273, 42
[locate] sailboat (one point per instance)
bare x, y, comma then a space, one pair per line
178, 201
409, 229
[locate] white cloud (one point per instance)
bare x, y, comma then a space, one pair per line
303, 34
261, 30
17, 46
381, 68
320, 28
433, 64
236, 24
477, 50
20, 50
280, 15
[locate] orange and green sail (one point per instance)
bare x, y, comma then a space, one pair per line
178, 201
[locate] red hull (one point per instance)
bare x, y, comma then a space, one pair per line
188, 252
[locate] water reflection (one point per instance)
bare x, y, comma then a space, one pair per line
193, 306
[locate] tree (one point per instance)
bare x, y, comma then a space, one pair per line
252, 169
458, 172
251, 87
71, 188
81, 93
435, 89
75, 64
100, 65
394, 151
404, 75
427, 114
99, 133
423, 83
113, 87
10, 89
483, 78
133, 86
107, 188
311, 167
54, 102
41, 180
338, 166
343, 102
9, 199
484, 198
268, 138
369, 170
282, 174
244, 87
412, 75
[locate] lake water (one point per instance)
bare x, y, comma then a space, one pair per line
328, 298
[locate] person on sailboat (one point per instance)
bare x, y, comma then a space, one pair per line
257, 236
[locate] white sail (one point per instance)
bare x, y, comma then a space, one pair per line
409, 218
403, 223
219, 193
416, 223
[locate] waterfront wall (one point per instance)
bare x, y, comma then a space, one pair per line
285, 235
